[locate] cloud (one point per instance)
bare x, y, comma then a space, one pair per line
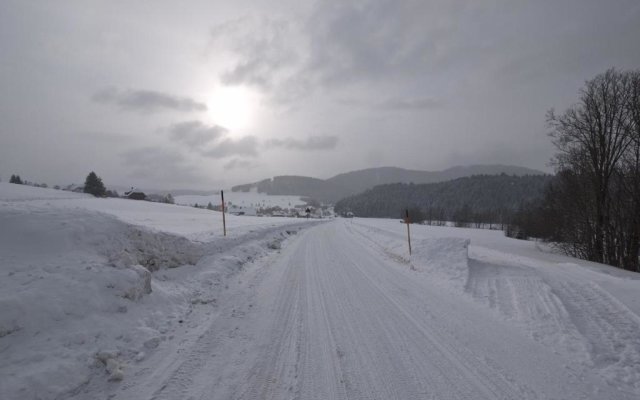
311, 143
195, 134
262, 47
160, 164
100, 136
238, 163
395, 103
268, 53
424, 103
147, 101
246, 146
340, 43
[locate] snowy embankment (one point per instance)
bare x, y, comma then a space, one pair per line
91, 285
588, 312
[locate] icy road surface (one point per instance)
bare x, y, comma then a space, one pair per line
335, 315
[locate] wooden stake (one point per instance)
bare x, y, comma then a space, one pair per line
408, 231
224, 222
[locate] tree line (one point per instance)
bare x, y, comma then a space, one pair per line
591, 210
480, 200
94, 185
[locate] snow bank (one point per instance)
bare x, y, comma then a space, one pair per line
588, 312
445, 257
90, 285
68, 280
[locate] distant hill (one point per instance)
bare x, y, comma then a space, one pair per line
351, 183
479, 194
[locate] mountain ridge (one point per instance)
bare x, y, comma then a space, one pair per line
488, 197
350, 183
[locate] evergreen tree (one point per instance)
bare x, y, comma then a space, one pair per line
15, 179
209, 206
93, 185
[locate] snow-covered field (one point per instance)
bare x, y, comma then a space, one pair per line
109, 298
251, 199
88, 285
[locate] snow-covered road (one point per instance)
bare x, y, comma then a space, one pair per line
335, 315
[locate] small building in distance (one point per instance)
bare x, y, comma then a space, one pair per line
74, 188
135, 194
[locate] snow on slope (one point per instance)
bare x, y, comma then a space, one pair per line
589, 312
86, 289
242, 199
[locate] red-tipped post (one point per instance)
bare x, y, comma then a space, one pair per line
224, 222
407, 221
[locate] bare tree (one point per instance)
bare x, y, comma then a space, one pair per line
592, 137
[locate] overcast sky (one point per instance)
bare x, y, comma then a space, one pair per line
206, 94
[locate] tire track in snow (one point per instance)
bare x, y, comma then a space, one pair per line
557, 308
611, 330
337, 334
337, 318
487, 382
278, 363
524, 297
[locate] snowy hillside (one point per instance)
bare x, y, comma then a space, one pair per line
247, 203
90, 284
123, 299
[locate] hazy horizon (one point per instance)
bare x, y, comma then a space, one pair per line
171, 95
204, 189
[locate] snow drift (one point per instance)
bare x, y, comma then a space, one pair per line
84, 292
445, 257
70, 276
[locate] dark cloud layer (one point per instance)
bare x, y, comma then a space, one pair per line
245, 146
147, 101
382, 41
413, 48
195, 134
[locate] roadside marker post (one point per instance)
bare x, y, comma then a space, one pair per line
407, 221
224, 223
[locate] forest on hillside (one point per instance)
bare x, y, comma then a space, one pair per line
486, 199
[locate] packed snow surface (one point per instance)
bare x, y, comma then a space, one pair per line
101, 299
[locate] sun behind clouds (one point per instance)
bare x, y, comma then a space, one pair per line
233, 107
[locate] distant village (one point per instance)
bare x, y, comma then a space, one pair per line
311, 209
256, 210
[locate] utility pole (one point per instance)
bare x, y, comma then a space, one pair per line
224, 223
407, 221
